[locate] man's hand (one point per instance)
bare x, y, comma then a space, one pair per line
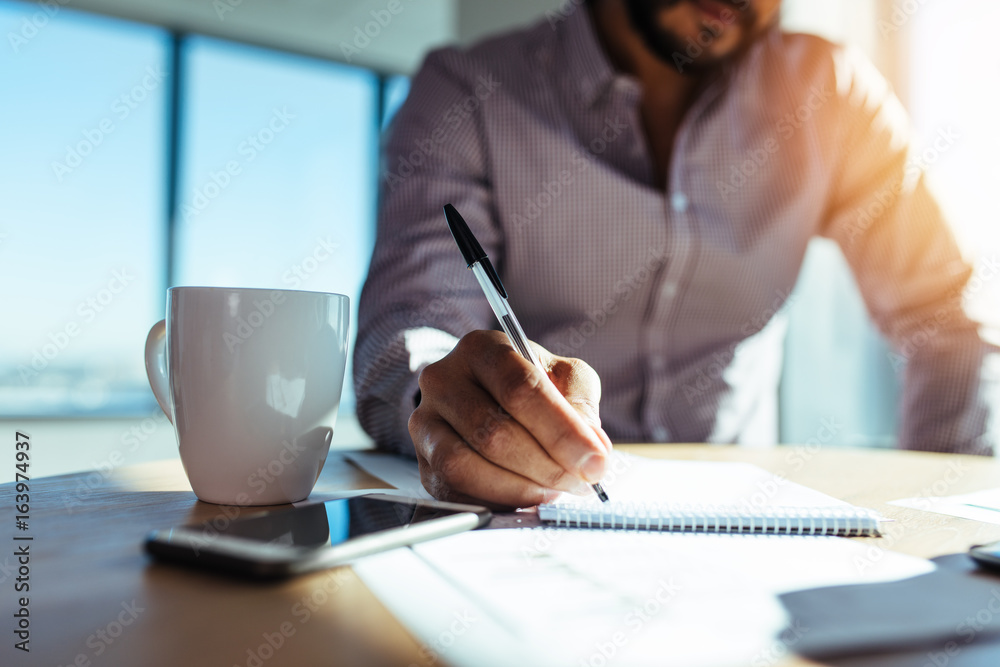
490, 428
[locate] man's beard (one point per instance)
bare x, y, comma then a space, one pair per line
687, 56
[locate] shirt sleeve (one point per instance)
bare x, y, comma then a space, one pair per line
910, 271
419, 298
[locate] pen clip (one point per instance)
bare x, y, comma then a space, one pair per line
494, 278
471, 250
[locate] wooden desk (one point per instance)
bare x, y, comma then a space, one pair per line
96, 599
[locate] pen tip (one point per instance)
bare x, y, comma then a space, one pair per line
601, 493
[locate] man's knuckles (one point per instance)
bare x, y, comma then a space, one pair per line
520, 386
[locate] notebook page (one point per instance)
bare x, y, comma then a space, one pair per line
638, 479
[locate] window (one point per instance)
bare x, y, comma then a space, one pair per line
396, 90
838, 386
954, 109
81, 229
276, 171
278, 178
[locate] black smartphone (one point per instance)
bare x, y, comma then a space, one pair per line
290, 541
987, 555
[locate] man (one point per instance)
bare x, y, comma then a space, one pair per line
646, 176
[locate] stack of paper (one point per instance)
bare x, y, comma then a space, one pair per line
609, 597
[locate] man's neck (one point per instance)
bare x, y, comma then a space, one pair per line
664, 88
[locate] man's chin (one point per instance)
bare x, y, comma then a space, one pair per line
712, 45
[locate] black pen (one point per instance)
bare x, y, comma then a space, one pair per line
488, 279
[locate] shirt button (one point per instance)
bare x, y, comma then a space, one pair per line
669, 289
679, 202
657, 362
659, 434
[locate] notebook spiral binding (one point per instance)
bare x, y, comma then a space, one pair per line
840, 521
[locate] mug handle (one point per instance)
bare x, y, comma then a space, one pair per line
156, 365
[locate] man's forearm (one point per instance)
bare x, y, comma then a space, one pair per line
951, 398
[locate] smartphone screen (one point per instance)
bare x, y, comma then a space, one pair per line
332, 522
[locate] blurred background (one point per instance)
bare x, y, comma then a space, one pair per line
150, 143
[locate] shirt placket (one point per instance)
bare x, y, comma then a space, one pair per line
626, 95
668, 291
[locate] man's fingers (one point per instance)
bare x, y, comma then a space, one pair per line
588, 412
533, 400
605, 440
580, 384
493, 428
451, 470
527, 394
499, 438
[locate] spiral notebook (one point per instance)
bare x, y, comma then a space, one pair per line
843, 521
705, 496
670, 495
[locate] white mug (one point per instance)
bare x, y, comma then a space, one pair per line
251, 380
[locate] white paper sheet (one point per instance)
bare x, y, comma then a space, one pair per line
586, 597
395, 470
322, 496
979, 505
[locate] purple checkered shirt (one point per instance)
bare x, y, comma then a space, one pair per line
674, 292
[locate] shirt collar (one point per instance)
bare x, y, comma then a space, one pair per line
586, 62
